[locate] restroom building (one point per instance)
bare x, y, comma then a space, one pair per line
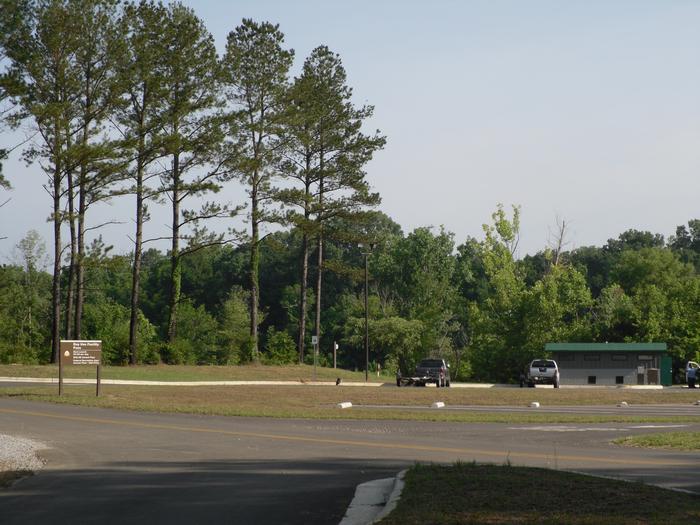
612, 363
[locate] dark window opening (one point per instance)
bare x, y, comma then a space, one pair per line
591, 380
591, 357
543, 363
619, 380
619, 357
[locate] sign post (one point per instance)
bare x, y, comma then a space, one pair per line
314, 342
75, 352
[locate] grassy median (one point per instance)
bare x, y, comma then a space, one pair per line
320, 402
193, 373
668, 440
491, 494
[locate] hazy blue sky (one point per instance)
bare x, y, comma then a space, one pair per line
585, 110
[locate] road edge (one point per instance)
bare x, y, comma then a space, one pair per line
374, 500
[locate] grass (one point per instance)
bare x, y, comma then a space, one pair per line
192, 373
319, 402
490, 494
670, 440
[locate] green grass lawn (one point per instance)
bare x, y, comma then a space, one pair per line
667, 440
192, 373
306, 401
492, 495
320, 402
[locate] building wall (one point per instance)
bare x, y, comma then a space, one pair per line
576, 367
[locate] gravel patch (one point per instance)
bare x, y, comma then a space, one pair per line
19, 453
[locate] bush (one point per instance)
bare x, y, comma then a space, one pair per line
109, 322
195, 342
233, 340
20, 354
280, 347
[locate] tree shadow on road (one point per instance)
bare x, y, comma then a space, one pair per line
173, 492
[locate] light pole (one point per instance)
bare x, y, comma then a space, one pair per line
366, 254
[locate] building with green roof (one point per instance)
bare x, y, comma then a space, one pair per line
612, 363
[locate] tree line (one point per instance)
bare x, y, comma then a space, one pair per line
132, 99
474, 303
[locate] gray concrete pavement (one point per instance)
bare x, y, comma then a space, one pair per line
109, 466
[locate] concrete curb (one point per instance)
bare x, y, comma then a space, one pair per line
75, 381
393, 497
374, 500
54, 380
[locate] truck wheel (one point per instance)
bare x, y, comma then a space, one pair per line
447, 384
531, 385
398, 382
437, 384
556, 384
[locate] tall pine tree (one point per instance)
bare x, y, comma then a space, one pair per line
192, 135
141, 117
327, 152
255, 70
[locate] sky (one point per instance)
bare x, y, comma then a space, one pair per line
587, 112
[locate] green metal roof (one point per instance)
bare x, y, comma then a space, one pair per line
605, 347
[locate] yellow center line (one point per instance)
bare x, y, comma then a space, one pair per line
347, 442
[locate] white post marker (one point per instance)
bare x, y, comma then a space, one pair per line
623, 404
438, 404
534, 404
344, 404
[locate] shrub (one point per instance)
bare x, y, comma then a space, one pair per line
109, 322
195, 342
280, 347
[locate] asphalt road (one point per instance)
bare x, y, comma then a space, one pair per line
107, 466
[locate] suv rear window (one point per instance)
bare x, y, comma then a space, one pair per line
542, 364
431, 363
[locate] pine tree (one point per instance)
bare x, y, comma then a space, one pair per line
42, 81
326, 151
255, 70
141, 117
192, 135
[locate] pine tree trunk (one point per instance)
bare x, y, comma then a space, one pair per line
302, 295
175, 260
136, 270
254, 269
301, 343
56, 284
80, 260
319, 248
82, 209
71, 269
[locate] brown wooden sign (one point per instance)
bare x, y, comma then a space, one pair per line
81, 352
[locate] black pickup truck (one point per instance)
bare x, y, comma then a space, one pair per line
428, 371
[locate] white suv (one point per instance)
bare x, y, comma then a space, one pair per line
541, 372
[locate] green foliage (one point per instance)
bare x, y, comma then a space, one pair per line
280, 348
196, 342
234, 343
80, 69
25, 305
109, 322
497, 324
415, 273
